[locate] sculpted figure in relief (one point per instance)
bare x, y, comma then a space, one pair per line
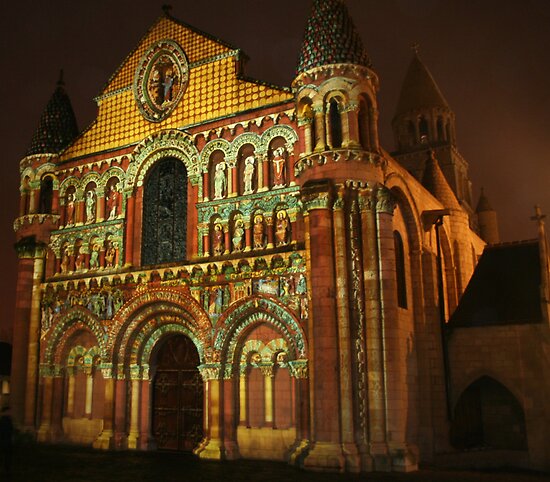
281, 228
238, 234
259, 231
69, 221
279, 167
217, 241
113, 200
248, 175
90, 206
219, 181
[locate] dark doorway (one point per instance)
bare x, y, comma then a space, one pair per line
177, 396
487, 415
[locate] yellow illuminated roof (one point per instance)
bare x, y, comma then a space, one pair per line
214, 91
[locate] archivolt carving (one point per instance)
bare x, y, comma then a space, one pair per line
215, 145
246, 138
67, 324
284, 131
171, 143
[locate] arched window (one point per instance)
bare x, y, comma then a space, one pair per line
164, 213
423, 130
364, 125
46, 196
400, 270
335, 124
440, 130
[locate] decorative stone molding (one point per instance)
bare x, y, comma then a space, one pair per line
35, 218
298, 368
386, 202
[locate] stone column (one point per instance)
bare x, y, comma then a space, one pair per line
243, 389
133, 435
344, 335
212, 448
267, 372
230, 445
105, 438
227, 238
247, 237
43, 434
300, 374
144, 422
70, 392
34, 338
374, 348
266, 168
233, 180
120, 409
269, 226
320, 133
205, 186
129, 248
322, 333
89, 392
352, 118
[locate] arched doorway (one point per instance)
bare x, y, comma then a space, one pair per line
177, 418
488, 415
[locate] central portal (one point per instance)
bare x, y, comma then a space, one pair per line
178, 396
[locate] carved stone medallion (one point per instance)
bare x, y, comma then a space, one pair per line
161, 79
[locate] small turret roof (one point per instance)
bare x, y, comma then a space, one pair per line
419, 89
57, 126
434, 181
331, 38
483, 203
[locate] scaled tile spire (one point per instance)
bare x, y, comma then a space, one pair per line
331, 38
57, 126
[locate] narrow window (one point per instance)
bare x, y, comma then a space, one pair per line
400, 270
46, 196
335, 124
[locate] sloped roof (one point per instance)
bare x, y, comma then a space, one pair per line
419, 90
331, 38
215, 90
504, 289
434, 181
57, 126
483, 204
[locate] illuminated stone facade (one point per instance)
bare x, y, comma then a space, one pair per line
224, 266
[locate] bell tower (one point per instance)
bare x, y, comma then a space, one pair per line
424, 122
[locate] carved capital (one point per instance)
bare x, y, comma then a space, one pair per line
267, 370
210, 371
298, 368
386, 201
316, 200
30, 248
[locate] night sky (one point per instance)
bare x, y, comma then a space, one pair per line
490, 59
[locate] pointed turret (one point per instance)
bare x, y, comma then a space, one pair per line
487, 220
340, 112
331, 38
423, 120
57, 126
435, 182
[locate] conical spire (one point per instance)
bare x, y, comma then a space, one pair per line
483, 204
57, 126
419, 89
435, 182
331, 38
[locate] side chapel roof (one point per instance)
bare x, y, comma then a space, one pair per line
434, 181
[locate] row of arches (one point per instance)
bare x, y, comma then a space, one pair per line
162, 392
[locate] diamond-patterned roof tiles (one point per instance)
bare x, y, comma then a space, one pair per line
57, 126
331, 38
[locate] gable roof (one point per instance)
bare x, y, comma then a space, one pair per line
215, 90
504, 289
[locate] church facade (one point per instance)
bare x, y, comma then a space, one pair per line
232, 268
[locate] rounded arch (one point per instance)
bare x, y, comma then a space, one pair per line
167, 143
140, 314
41, 171
255, 310
68, 182
287, 132
243, 139
66, 325
214, 145
114, 171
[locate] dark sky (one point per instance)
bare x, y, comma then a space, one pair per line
490, 59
